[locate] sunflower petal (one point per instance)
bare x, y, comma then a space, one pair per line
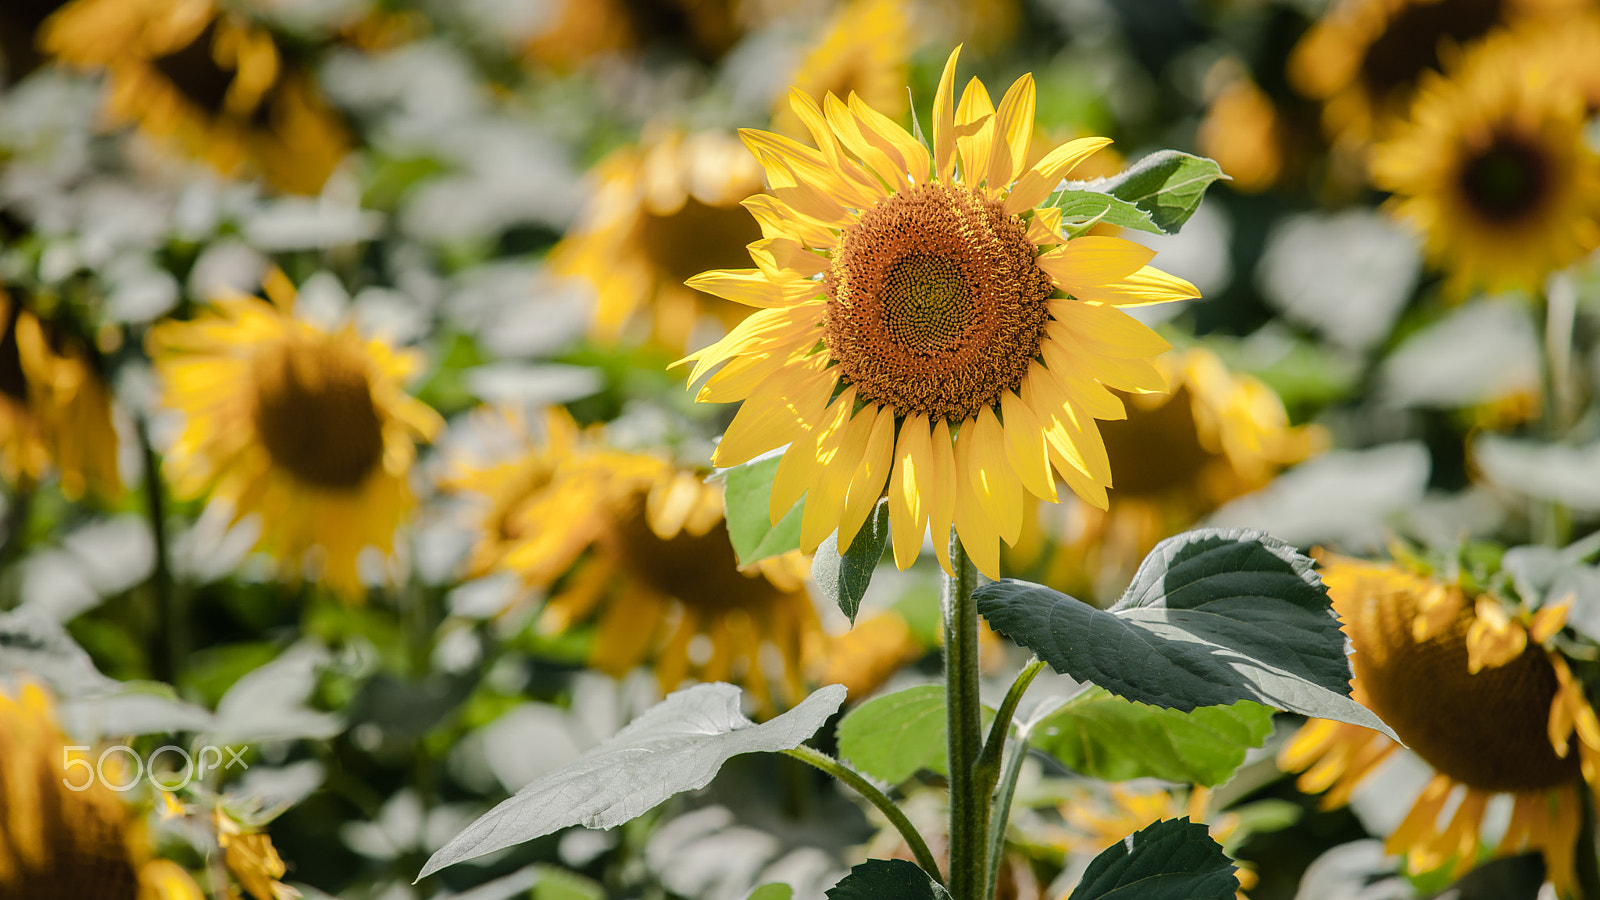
884, 132
911, 478
1146, 286
889, 169
1013, 127
838, 456
1038, 183
978, 535
942, 503
1107, 330
944, 138
974, 131
998, 490
1025, 447
866, 191
778, 219
752, 288
1078, 383
866, 485
1088, 262
798, 467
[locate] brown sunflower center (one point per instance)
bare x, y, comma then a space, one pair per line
1155, 451
699, 571
1488, 730
13, 381
936, 302
697, 238
1507, 180
1409, 44
315, 415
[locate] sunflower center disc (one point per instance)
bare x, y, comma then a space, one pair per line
1156, 451
1488, 730
315, 415
936, 302
1506, 180
698, 570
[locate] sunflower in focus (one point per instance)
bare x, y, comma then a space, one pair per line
1466, 681
923, 329
866, 51
639, 546
306, 428
1095, 821
55, 409
209, 78
1175, 459
58, 843
1493, 169
661, 213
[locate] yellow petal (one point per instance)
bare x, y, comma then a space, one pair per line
778, 219
1093, 260
798, 467
769, 418
865, 191
890, 170
752, 288
944, 138
942, 504
866, 485
1107, 330
1134, 376
1013, 126
997, 487
765, 331
1078, 383
978, 535
786, 261
887, 135
1146, 286
1038, 183
807, 167
911, 477
838, 455
1044, 227
1025, 447
974, 131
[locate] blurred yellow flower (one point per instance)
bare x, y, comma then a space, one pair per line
1242, 132
865, 51
61, 843
209, 78
1493, 169
306, 428
864, 658
1470, 688
903, 311
253, 861
576, 33
641, 545
659, 214
55, 409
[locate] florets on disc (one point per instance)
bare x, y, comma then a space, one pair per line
936, 302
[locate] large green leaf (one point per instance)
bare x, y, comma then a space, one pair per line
1167, 184
893, 736
1212, 617
747, 493
1114, 739
1174, 859
677, 745
887, 879
843, 577
1082, 207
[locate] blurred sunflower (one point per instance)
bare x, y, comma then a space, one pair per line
307, 428
252, 861
577, 32
1175, 458
865, 51
61, 843
641, 545
55, 409
206, 76
1466, 682
939, 295
1097, 820
660, 213
1493, 169
1243, 133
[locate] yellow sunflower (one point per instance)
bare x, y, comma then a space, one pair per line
1493, 169
640, 544
1096, 820
1468, 684
865, 51
55, 409
1243, 133
578, 32
662, 212
61, 843
209, 78
926, 331
1175, 458
307, 428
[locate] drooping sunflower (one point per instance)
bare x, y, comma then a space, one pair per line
307, 428
1493, 169
662, 212
1175, 458
55, 409
640, 545
1468, 684
60, 843
209, 78
923, 328
866, 51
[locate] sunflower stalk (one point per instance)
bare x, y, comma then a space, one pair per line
880, 800
1007, 785
172, 614
969, 789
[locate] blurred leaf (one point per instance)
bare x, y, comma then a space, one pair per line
1544, 471
1212, 617
269, 704
1113, 739
1545, 575
1174, 859
887, 879
446, 389
678, 745
844, 578
556, 883
893, 736
772, 892
1359, 870
408, 708
747, 492
1167, 184
36, 647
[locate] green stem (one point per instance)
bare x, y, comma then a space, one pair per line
171, 615
989, 762
969, 794
877, 798
1007, 789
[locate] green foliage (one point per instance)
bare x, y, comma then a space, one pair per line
893, 736
1174, 859
887, 879
1167, 186
843, 577
1108, 737
747, 491
772, 892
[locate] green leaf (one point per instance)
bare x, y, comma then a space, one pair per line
1213, 617
1174, 859
772, 892
677, 745
844, 578
893, 736
746, 494
1113, 739
887, 879
556, 883
1167, 184
1082, 207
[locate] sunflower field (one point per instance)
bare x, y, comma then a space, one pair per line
799, 449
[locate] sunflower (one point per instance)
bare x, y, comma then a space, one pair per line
662, 211
61, 843
1467, 683
927, 331
578, 32
1493, 169
209, 78
305, 427
1244, 134
865, 51
55, 409
641, 545
1175, 458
